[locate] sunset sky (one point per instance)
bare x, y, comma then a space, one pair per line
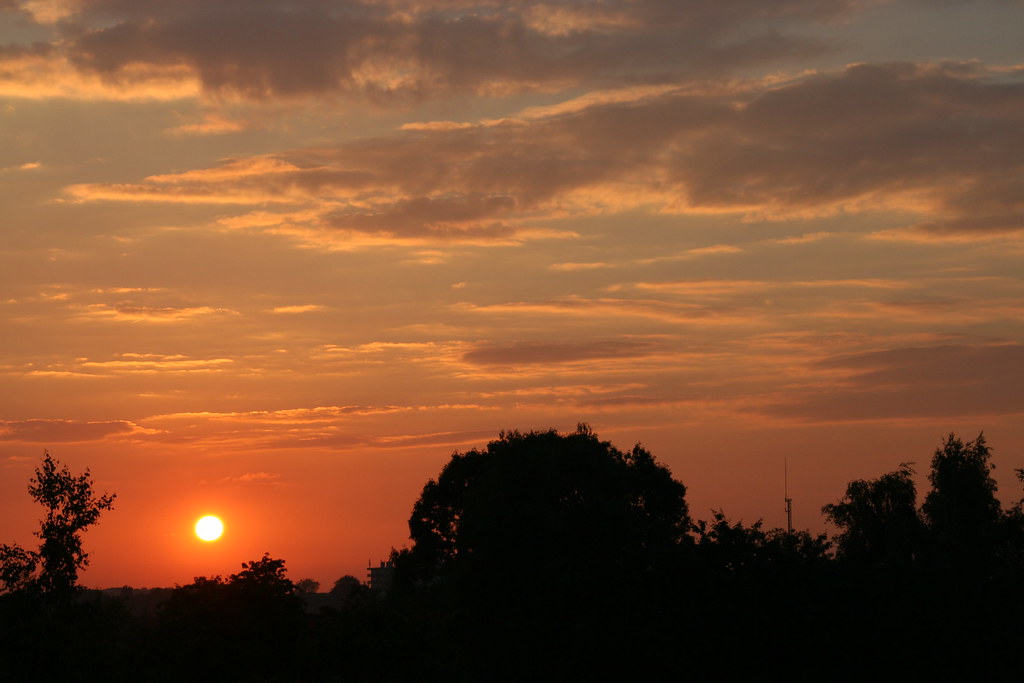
276, 260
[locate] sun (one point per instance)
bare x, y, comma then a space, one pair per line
209, 528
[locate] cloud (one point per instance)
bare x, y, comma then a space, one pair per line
611, 308
27, 166
520, 353
137, 363
151, 314
43, 72
254, 478
385, 51
331, 427
86, 369
442, 215
213, 123
64, 431
287, 416
949, 381
938, 142
298, 308
573, 266
934, 139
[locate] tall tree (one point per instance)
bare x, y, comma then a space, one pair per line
71, 508
878, 520
963, 500
962, 511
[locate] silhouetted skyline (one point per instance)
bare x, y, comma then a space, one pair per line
276, 261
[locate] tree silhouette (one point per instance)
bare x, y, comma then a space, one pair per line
962, 500
542, 544
962, 511
347, 590
228, 626
17, 566
575, 503
734, 549
70, 509
878, 519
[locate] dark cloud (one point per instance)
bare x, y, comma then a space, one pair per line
50, 431
943, 381
881, 129
944, 142
431, 215
15, 50
529, 353
379, 49
936, 365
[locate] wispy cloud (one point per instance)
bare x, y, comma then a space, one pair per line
151, 314
65, 431
937, 145
541, 352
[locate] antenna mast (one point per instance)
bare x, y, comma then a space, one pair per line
789, 501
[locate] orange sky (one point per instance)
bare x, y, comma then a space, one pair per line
276, 261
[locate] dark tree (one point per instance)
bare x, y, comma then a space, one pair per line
249, 625
963, 500
571, 503
71, 508
878, 520
17, 566
962, 512
732, 548
543, 545
265, 578
347, 590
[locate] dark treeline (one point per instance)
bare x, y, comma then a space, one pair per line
558, 557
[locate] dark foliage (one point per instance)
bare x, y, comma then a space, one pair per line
572, 504
558, 557
70, 509
879, 520
248, 625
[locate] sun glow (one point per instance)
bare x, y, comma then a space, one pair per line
209, 528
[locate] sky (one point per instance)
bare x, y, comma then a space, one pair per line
278, 260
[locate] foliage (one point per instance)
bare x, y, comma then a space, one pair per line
751, 550
345, 586
264, 577
17, 566
962, 499
968, 530
307, 586
878, 519
70, 509
229, 625
347, 590
563, 550
571, 502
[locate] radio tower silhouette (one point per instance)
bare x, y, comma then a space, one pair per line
789, 501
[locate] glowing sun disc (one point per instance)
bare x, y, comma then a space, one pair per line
209, 528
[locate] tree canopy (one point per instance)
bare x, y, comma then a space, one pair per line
569, 502
878, 519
